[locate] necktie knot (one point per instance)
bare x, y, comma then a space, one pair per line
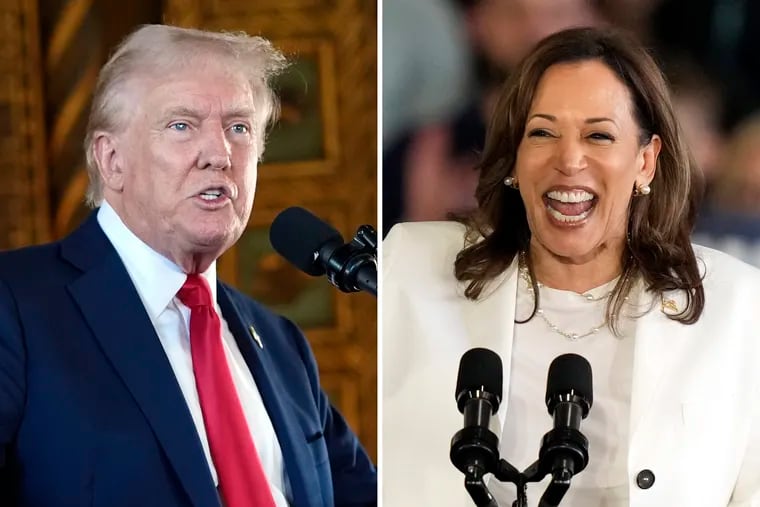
195, 292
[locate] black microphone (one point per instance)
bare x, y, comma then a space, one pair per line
316, 248
475, 448
569, 396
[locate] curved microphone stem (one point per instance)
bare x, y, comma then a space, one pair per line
478, 491
556, 489
354, 265
505, 472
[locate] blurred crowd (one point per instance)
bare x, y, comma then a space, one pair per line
445, 60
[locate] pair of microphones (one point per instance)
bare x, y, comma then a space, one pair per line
564, 449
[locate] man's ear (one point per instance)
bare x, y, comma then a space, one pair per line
105, 150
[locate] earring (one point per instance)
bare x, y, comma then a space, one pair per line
642, 189
511, 182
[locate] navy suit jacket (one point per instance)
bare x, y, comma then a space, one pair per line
91, 413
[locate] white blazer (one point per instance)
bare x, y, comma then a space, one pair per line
695, 405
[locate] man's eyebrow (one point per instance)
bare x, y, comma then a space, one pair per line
188, 112
181, 111
239, 112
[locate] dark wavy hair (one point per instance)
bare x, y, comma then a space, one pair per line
658, 249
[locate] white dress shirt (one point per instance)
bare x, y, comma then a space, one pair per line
157, 281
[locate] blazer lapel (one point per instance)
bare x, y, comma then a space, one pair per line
111, 306
298, 464
660, 342
490, 322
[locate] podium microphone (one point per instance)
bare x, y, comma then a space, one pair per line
569, 396
316, 248
475, 448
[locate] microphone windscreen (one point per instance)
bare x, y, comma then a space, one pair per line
570, 372
480, 369
297, 235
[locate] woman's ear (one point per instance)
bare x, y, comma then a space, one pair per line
649, 154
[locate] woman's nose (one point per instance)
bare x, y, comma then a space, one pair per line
570, 156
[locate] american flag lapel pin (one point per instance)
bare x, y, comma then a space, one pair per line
255, 336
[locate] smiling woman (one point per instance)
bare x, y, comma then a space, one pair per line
577, 165
590, 114
580, 244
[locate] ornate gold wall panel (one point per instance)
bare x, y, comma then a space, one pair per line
72, 57
77, 37
24, 217
321, 155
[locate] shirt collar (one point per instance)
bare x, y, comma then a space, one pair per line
156, 278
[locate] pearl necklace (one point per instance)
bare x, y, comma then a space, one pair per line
525, 275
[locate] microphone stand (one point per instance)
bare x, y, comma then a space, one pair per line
353, 266
507, 473
558, 448
552, 497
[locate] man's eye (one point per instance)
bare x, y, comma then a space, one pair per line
179, 126
239, 128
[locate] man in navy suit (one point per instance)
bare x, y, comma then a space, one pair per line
128, 375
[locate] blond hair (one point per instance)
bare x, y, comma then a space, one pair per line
155, 48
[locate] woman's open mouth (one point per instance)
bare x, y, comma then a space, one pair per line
569, 206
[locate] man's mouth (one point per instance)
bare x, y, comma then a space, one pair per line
217, 194
569, 206
211, 194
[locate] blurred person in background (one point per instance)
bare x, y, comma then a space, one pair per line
425, 64
730, 220
632, 15
699, 107
426, 78
723, 36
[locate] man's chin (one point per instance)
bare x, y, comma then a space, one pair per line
213, 242
210, 239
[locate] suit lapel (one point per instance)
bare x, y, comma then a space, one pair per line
298, 464
111, 306
660, 343
490, 322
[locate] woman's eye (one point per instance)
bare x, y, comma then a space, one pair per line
179, 126
240, 128
601, 136
538, 133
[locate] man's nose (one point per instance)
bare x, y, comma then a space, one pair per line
214, 149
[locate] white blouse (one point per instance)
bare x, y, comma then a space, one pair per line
604, 482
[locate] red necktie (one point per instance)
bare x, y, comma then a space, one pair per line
242, 482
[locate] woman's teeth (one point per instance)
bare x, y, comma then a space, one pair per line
567, 218
575, 196
569, 207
